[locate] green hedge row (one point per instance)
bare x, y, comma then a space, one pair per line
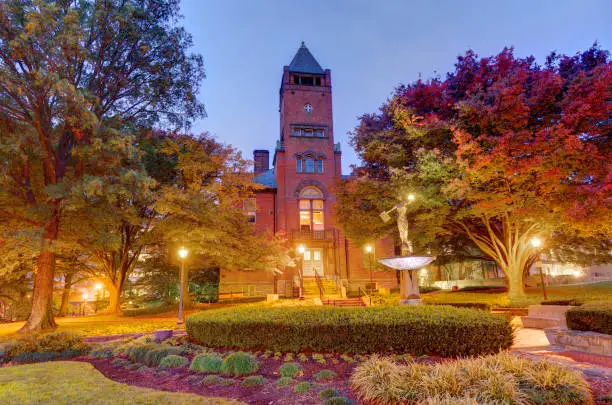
591, 317
418, 330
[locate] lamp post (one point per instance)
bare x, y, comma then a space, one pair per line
301, 249
369, 250
182, 254
536, 243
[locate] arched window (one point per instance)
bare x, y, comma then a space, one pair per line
311, 209
309, 164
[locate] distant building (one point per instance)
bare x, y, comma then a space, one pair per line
298, 197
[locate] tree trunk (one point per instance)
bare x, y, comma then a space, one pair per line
66, 294
114, 305
516, 288
41, 316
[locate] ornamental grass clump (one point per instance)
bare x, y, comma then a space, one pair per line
253, 381
239, 364
325, 375
495, 379
206, 363
291, 370
173, 361
436, 330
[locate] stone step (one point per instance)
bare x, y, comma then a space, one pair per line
541, 322
348, 302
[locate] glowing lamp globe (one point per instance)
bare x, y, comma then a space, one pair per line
536, 242
368, 249
182, 252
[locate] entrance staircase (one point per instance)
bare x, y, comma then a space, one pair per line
345, 302
311, 288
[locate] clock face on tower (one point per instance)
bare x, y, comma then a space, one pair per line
308, 108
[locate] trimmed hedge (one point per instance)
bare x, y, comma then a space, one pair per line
483, 306
591, 317
418, 330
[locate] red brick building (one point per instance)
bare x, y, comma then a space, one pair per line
298, 200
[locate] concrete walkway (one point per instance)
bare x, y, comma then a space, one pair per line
532, 343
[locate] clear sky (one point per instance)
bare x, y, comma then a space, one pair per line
370, 46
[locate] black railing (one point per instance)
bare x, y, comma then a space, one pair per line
320, 285
307, 234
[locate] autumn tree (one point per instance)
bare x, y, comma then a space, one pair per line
501, 150
76, 79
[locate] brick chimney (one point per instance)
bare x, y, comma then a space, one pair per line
261, 160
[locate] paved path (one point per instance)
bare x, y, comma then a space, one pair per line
532, 343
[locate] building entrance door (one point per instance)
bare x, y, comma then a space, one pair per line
313, 262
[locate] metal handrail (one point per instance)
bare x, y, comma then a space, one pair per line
365, 294
320, 285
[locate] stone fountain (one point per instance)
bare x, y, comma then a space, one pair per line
407, 264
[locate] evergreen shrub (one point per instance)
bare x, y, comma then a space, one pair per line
425, 329
37, 347
596, 317
173, 361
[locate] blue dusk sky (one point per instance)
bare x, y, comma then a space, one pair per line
370, 46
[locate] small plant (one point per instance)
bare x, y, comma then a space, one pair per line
329, 393
325, 375
154, 356
288, 357
173, 361
284, 381
226, 382
278, 355
210, 380
120, 362
206, 363
290, 370
303, 357
267, 354
302, 387
337, 401
144, 369
347, 358
319, 358
253, 381
134, 366
102, 352
239, 364
193, 379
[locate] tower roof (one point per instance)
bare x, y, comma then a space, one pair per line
304, 62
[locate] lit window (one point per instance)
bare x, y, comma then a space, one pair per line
311, 211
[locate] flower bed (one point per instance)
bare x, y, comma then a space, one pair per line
419, 330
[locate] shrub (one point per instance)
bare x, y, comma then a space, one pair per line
325, 375
425, 290
154, 356
502, 378
239, 363
591, 317
419, 330
290, 370
284, 381
253, 381
483, 306
337, 401
211, 380
572, 302
302, 387
173, 361
206, 363
45, 346
329, 393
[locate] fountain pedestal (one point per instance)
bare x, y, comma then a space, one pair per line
408, 266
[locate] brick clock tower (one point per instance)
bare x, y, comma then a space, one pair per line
298, 198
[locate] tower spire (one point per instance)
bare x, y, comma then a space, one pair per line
304, 62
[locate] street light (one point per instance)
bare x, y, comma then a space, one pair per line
301, 250
536, 243
369, 250
182, 254
411, 197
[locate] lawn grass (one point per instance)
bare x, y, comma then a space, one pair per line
593, 292
69, 382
